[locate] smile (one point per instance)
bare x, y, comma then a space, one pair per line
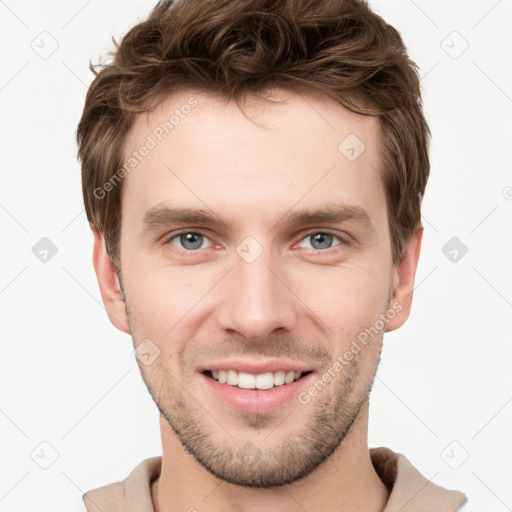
262, 381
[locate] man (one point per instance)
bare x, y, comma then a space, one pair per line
253, 172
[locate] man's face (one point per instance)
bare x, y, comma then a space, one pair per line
263, 289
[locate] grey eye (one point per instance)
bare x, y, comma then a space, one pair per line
189, 241
320, 240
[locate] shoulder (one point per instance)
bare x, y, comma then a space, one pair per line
132, 493
409, 489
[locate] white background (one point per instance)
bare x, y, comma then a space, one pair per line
69, 378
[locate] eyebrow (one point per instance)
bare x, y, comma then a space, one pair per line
161, 216
329, 214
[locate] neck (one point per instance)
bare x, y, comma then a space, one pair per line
345, 482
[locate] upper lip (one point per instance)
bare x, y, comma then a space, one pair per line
256, 367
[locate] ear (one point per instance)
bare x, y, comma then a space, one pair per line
403, 280
109, 285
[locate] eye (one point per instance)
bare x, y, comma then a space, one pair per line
321, 241
189, 241
192, 241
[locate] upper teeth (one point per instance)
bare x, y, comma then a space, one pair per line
249, 381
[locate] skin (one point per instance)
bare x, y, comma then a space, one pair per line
297, 299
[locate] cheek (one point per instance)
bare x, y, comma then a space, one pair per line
347, 298
164, 298
170, 302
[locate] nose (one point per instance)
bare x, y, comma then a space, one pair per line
255, 301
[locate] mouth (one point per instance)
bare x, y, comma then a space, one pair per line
257, 389
261, 381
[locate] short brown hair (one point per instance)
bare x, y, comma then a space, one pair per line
238, 48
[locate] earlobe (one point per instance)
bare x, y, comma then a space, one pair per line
109, 284
403, 281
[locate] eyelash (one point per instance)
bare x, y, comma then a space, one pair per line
343, 242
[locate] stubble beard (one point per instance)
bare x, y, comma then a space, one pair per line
239, 457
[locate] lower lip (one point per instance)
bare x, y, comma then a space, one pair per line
256, 400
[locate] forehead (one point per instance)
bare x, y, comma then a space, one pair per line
203, 151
